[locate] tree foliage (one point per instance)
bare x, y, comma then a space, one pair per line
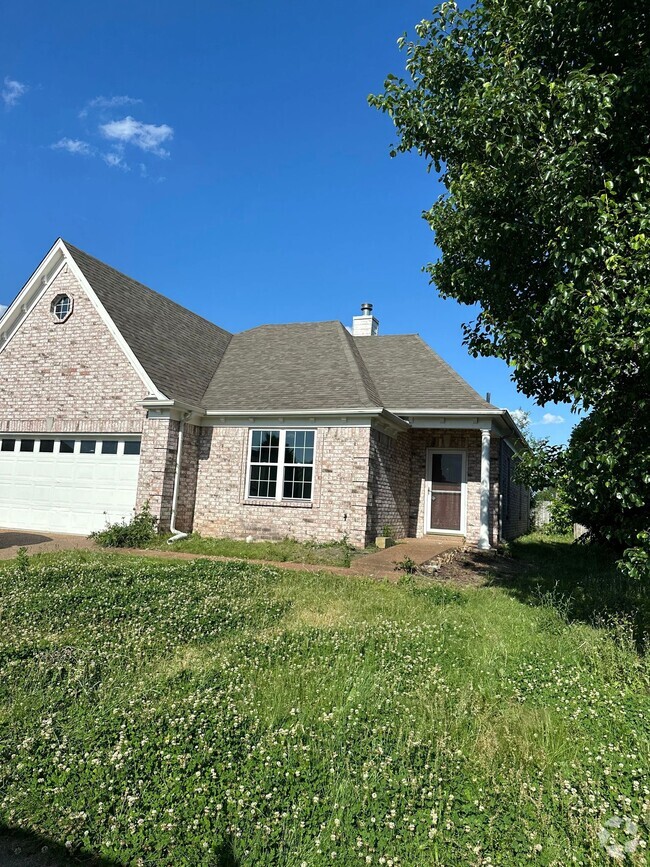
540, 467
535, 116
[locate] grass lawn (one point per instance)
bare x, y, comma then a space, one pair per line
205, 713
284, 551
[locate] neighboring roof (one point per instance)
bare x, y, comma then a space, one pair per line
177, 348
311, 365
410, 375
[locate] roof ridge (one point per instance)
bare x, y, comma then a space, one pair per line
288, 325
364, 383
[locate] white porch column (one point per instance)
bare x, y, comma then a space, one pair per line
484, 532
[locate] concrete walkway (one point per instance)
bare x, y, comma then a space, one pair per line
40, 543
378, 564
381, 564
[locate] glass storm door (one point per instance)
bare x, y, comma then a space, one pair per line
446, 492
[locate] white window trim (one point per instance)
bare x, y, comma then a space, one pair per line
279, 487
463, 494
57, 319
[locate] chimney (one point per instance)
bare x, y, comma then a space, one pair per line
365, 325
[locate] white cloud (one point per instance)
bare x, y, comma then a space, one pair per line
148, 137
108, 102
115, 160
73, 146
551, 418
3, 307
12, 91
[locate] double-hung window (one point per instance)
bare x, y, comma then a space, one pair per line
281, 464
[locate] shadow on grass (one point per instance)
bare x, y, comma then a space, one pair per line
580, 581
19, 848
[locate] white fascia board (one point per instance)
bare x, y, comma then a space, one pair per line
31, 293
498, 419
342, 416
457, 421
57, 257
341, 410
514, 427
422, 411
169, 403
172, 409
112, 327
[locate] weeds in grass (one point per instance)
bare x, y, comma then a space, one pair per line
22, 562
205, 713
335, 553
406, 565
136, 533
580, 582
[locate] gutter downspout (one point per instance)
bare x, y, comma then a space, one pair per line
177, 534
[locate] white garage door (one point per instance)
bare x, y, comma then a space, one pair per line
66, 484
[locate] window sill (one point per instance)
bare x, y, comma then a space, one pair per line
287, 504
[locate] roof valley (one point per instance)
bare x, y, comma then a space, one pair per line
273, 368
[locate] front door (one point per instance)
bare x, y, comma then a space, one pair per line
445, 511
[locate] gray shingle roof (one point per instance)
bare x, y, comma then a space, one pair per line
311, 365
178, 349
410, 375
301, 366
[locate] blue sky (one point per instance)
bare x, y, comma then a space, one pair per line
224, 154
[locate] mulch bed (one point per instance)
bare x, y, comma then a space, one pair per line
471, 568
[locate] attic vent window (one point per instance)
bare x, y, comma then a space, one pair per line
61, 308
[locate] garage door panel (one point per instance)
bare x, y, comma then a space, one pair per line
72, 493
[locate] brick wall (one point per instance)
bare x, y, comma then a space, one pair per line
340, 491
389, 484
70, 376
514, 499
156, 472
188, 479
158, 467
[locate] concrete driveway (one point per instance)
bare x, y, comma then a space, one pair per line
39, 543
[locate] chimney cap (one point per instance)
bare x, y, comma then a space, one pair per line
366, 308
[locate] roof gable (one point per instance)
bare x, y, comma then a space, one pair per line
178, 349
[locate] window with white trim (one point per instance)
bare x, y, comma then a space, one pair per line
281, 464
61, 307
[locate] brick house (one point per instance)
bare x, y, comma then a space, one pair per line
112, 395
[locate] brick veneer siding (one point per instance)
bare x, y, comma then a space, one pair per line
158, 468
340, 493
463, 440
70, 376
189, 476
517, 522
514, 499
388, 484
156, 472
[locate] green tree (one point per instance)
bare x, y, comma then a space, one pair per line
534, 116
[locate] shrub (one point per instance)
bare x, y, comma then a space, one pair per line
139, 531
